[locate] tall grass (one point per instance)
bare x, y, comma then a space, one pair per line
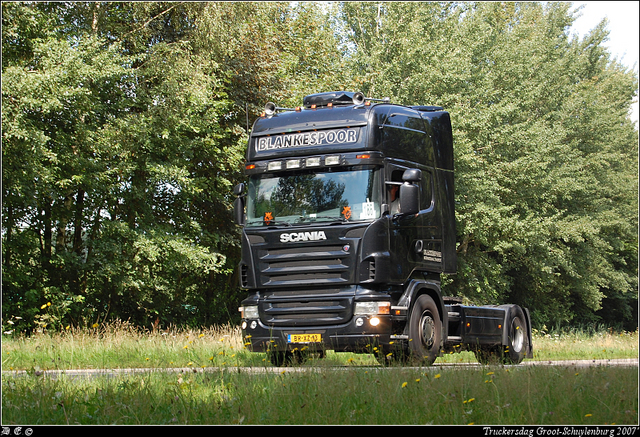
219, 382
121, 345
356, 395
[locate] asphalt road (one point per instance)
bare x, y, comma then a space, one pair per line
88, 373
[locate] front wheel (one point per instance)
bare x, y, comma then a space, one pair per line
425, 330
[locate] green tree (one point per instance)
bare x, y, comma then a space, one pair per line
545, 154
124, 130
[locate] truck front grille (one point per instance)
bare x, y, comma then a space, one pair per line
306, 308
304, 266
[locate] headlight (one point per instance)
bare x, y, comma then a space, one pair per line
371, 308
249, 312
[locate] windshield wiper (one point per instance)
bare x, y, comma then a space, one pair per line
271, 223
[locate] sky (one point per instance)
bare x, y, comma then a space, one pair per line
623, 31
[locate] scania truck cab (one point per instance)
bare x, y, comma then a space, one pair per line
347, 224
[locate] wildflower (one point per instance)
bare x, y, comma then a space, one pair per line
437, 376
186, 346
417, 379
490, 373
469, 400
190, 363
404, 384
95, 325
201, 335
588, 415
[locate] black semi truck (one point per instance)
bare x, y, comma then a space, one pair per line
347, 224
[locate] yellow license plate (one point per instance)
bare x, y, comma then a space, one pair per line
304, 338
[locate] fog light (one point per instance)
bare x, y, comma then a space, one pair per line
359, 322
244, 325
374, 321
254, 324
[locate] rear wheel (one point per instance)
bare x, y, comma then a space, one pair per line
518, 340
425, 330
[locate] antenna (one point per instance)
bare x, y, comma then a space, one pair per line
246, 111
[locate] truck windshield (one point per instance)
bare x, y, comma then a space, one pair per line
291, 199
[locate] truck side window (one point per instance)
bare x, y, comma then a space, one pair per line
393, 194
426, 190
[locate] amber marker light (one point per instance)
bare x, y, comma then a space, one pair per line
384, 307
250, 166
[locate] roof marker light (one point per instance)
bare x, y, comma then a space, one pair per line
313, 162
332, 160
274, 165
293, 163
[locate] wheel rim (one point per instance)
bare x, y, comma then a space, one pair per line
517, 336
428, 330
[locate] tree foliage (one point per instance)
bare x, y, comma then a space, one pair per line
545, 153
124, 127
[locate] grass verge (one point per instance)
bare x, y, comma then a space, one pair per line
359, 396
218, 388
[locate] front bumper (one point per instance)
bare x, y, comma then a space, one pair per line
359, 335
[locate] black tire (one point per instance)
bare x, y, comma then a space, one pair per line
517, 342
280, 358
489, 355
424, 330
518, 339
291, 358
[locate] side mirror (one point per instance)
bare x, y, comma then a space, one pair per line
410, 192
238, 204
238, 190
413, 175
